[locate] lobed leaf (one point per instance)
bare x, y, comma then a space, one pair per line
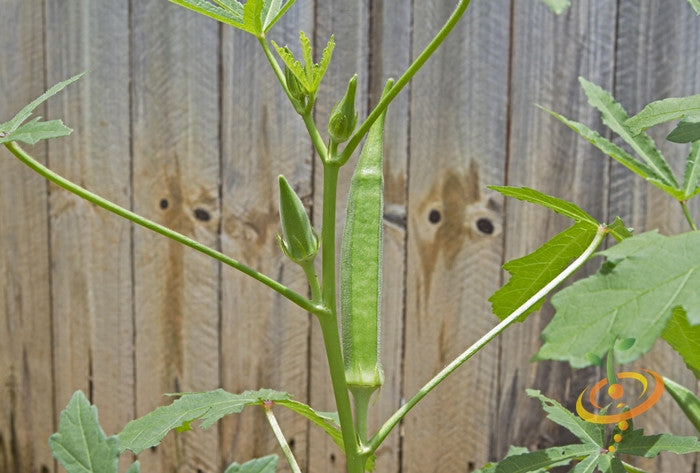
649, 446
615, 118
631, 296
255, 16
327, 421
560, 206
541, 459
684, 338
80, 444
688, 402
230, 15
266, 464
588, 432
36, 130
309, 74
662, 111
207, 407
531, 273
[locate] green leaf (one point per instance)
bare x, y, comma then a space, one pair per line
587, 465
686, 131
587, 432
541, 459
255, 16
560, 206
80, 445
696, 6
266, 464
327, 421
35, 130
692, 172
615, 117
134, 468
208, 407
684, 338
614, 151
531, 273
309, 74
558, 6
618, 229
688, 402
632, 295
649, 446
662, 111
12, 125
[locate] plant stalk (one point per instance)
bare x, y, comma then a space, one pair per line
384, 430
286, 450
688, 217
293, 296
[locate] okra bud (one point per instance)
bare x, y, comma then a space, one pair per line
343, 116
361, 267
296, 89
298, 241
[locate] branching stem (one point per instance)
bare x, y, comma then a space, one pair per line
483, 341
286, 450
688, 217
293, 296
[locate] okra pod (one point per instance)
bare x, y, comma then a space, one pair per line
361, 267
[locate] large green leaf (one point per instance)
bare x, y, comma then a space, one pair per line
632, 296
684, 338
649, 446
80, 445
615, 117
266, 464
541, 459
531, 273
662, 111
255, 16
687, 130
207, 407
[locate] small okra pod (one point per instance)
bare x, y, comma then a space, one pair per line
344, 116
298, 240
361, 266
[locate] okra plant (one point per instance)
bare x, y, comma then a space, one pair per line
647, 288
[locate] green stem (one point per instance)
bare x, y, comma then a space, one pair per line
684, 206
329, 322
361, 395
311, 275
298, 299
288, 454
384, 430
315, 135
403, 80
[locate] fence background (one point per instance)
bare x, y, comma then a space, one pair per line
181, 120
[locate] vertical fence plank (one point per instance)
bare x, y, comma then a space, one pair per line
348, 21
175, 60
458, 136
91, 248
264, 336
26, 381
549, 53
389, 56
656, 58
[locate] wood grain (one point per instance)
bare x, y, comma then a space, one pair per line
26, 378
452, 265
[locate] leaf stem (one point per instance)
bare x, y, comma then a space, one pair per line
288, 454
384, 430
293, 296
688, 217
403, 80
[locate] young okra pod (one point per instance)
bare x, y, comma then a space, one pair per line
361, 266
298, 240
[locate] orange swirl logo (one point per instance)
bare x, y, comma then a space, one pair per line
616, 391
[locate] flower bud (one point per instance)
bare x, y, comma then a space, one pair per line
344, 117
298, 240
296, 90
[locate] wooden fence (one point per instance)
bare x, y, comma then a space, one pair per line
181, 120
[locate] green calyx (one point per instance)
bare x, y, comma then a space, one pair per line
296, 89
298, 241
344, 116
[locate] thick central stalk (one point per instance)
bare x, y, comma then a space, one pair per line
329, 321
